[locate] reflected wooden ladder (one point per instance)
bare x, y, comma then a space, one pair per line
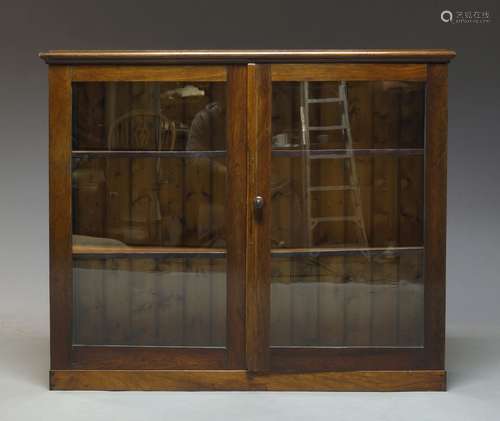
353, 185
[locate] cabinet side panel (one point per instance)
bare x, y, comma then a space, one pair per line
60, 215
435, 217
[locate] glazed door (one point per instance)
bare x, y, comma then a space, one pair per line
345, 277
157, 274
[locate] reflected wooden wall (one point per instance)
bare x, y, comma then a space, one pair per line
329, 300
355, 300
147, 202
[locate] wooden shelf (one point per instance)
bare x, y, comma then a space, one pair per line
146, 154
314, 154
345, 251
343, 153
126, 251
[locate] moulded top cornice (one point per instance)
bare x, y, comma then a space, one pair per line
245, 56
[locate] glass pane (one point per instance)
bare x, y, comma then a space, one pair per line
381, 114
149, 176
149, 201
356, 300
150, 301
364, 201
149, 116
347, 188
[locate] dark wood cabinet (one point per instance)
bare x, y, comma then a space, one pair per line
248, 220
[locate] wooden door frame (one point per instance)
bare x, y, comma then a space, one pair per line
282, 359
259, 222
65, 355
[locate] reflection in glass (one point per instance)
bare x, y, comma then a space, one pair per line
171, 195
149, 171
382, 207
149, 116
356, 300
168, 201
347, 166
149, 301
347, 189
381, 114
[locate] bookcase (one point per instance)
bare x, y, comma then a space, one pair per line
248, 220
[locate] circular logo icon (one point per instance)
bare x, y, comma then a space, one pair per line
446, 16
